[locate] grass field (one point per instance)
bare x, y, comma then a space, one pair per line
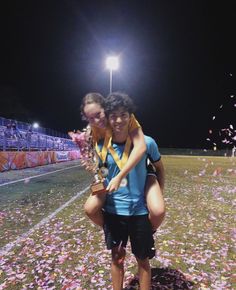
195, 244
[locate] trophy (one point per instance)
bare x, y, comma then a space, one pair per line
90, 159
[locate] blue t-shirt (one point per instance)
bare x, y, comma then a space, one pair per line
130, 200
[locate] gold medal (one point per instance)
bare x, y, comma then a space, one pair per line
103, 171
124, 182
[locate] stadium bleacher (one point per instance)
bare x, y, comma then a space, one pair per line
40, 139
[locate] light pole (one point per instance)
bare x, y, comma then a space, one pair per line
112, 63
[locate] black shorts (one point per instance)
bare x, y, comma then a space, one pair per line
119, 228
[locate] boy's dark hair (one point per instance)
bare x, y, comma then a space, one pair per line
91, 98
118, 100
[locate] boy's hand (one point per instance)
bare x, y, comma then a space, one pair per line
114, 184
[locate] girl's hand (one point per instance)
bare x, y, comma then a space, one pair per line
114, 184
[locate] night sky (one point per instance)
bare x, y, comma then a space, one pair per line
177, 62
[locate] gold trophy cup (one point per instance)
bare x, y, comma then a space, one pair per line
98, 185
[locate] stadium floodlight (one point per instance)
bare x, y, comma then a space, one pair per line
35, 125
112, 63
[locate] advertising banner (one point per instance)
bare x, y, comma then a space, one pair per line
19, 160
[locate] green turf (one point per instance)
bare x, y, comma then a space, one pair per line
24, 204
195, 244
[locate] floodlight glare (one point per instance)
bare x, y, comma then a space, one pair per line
112, 62
35, 125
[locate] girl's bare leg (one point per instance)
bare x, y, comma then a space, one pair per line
93, 208
155, 202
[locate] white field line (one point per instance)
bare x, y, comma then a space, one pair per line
196, 156
5, 249
35, 176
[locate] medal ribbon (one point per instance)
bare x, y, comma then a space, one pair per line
103, 153
120, 161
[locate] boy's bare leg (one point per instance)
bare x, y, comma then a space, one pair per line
117, 268
155, 202
144, 271
93, 208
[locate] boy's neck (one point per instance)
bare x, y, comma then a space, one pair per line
120, 137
